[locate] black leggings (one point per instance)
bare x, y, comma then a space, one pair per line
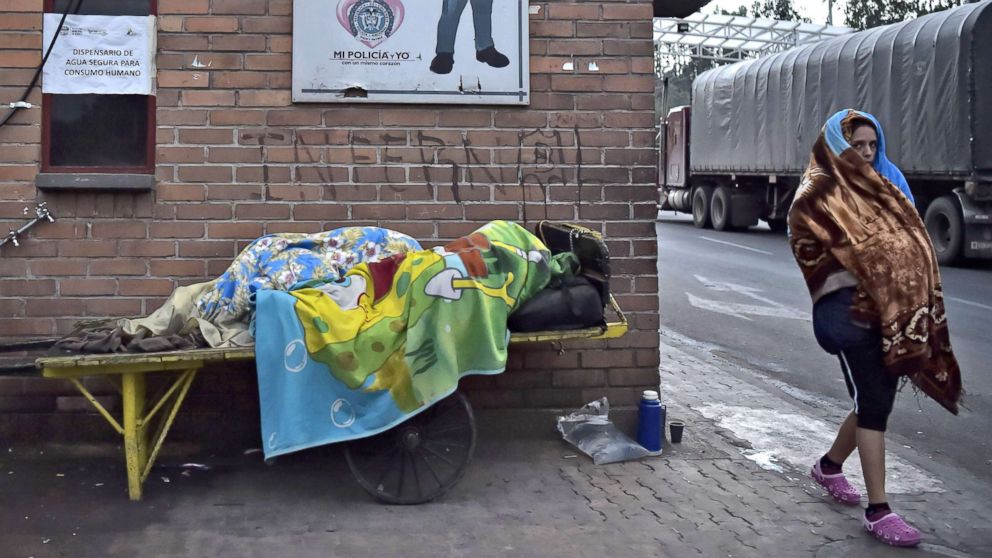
859, 348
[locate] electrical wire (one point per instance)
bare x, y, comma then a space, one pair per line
15, 106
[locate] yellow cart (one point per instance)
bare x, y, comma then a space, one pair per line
144, 422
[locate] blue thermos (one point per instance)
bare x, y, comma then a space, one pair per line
650, 421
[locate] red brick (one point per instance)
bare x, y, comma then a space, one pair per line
233, 117
234, 230
27, 287
489, 212
19, 172
434, 211
304, 228
581, 377
268, 62
112, 307
378, 175
208, 98
296, 154
213, 136
11, 307
168, 42
183, 6
629, 83
261, 212
235, 43
232, 155
238, 80
626, 47
118, 229
169, 24
180, 192
22, 5
87, 248
320, 212
175, 230
27, 327
174, 154
146, 287
552, 29
268, 25
573, 11
180, 117
296, 192
280, 44
59, 267
268, 174
379, 211
294, 117
265, 98
117, 267
183, 79
321, 174
631, 12
146, 248
521, 119
205, 174
234, 192
64, 307
211, 211
21, 22
177, 268
409, 118
238, 7
19, 58
351, 117
212, 24
462, 119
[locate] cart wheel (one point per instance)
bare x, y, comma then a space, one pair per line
420, 459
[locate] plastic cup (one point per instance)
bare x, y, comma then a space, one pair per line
675, 428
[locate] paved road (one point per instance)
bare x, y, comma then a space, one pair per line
743, 294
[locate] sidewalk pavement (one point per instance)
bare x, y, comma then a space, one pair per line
526, 494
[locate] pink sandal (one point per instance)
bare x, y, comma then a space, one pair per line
893, 530
836, 485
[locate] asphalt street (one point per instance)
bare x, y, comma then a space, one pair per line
742, 297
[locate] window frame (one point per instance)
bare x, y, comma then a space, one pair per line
46, 128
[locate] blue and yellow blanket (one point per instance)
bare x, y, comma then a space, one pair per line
350, 358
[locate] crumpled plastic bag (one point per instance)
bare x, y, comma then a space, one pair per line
590, 430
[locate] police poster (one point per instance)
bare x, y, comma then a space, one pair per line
411, 51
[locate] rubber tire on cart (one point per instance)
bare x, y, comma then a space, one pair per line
420, 459
721, 210
945, 225
701, 206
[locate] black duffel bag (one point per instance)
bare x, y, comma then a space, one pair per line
572, 303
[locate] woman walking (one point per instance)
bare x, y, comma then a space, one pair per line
877, 301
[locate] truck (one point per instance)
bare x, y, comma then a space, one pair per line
737, 152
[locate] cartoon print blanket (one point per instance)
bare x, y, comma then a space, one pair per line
351, 358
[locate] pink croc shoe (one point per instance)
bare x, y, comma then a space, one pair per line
836, 485
893, 530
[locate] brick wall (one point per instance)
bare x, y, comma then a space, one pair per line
236, 160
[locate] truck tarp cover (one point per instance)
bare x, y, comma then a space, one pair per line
929, 81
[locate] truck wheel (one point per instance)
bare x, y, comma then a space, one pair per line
720, 209
701, 206
946, 229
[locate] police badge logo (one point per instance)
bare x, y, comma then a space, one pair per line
370, 21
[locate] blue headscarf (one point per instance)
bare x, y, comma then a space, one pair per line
837, 143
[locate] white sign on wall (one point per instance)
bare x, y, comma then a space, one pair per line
100, 54
411, 51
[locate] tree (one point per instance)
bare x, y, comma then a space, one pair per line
782, 10
769, 9
865, 14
